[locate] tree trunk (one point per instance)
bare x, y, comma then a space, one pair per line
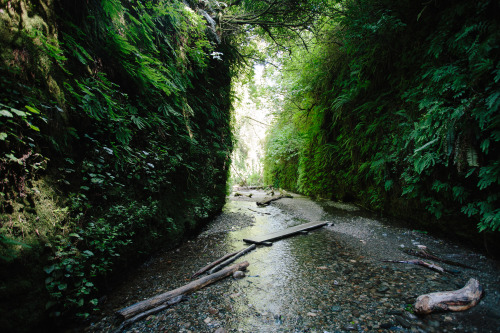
158, 300
268, 201
457, 300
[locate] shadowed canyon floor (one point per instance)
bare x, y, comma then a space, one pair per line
329, 280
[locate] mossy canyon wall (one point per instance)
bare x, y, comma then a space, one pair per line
115, 141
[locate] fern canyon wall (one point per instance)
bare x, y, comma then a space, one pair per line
115, 140
115, 126
395, 106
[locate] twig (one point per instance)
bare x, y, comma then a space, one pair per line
259, 212
427, 255
421, 263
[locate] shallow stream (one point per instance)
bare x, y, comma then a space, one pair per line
332, 279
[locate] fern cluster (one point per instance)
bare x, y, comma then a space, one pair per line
399, 105
133, 116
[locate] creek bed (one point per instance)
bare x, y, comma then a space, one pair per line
330, 280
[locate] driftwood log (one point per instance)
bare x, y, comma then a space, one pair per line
158, 300
144, 314
457, 300
213, 264
268, 201
232, 259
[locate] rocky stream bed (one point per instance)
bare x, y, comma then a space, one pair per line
330, 280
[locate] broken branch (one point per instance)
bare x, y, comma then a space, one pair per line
421, 263
426, 255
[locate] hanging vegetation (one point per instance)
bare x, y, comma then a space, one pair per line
396, 106
115, 140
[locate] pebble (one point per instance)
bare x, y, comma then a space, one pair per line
383, 289
403, 322
386, 325
238, 275
348, 290
349, 327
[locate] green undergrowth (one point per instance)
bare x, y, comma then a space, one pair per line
115, 141
396, 107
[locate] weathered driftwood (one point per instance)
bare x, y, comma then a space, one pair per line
144, 314
418, 262
457, 300
232, 259
426, 255
158, 300
213, 264
268, 201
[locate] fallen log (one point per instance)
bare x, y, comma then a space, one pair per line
212, 264
158, 300
132, 320
456, 300
268, 201
421, 263
232, 259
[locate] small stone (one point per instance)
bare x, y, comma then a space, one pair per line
220, 330
212, 311
433, 323
411, 316
403, 322
395, 312
238, 275
349, 327
207, 320
386, 325
311, 314
383, 289
336, 308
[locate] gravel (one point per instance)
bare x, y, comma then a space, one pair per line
330, 280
